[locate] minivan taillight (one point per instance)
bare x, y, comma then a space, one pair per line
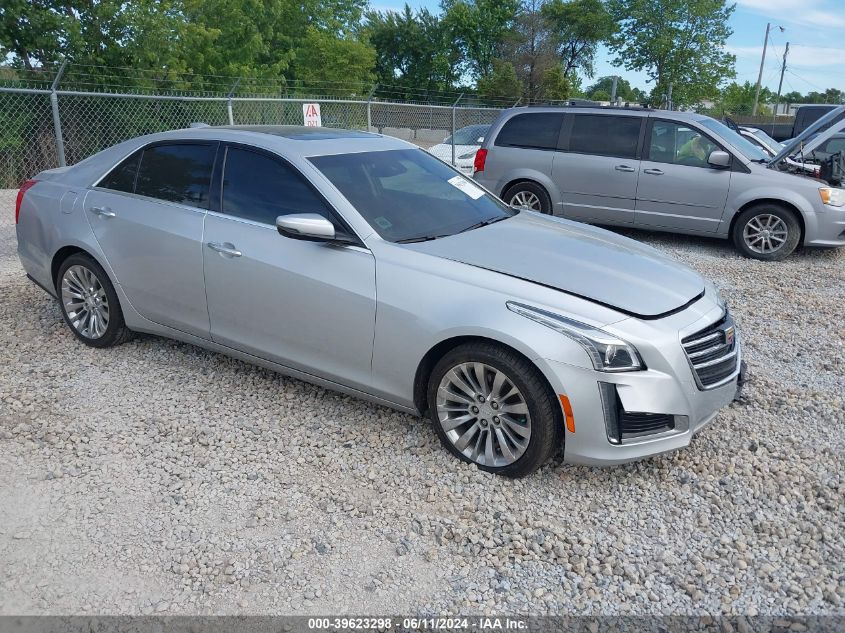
22, 191
480, 158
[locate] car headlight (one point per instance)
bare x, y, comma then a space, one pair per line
832, 196
467, 155
607, 352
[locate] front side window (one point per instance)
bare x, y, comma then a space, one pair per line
834, 145
678, 144
260, 188
605, 135
122, 177
538, 130
177, 172
408, 195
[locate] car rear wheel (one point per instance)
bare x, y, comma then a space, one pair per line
492, 407
528, 195
766, 232
89, 303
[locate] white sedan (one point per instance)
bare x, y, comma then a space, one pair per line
467, 141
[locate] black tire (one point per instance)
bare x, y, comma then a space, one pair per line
116, 331
762, 213
532, 188
546, 418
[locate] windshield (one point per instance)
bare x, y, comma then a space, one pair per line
745, 147
409, 195
468, 135
768, 140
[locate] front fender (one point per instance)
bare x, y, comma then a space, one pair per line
796, 198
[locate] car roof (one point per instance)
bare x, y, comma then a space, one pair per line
291, 139
610, 111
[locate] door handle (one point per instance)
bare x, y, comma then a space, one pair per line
625, 168
229, 250
654, 172
103, 212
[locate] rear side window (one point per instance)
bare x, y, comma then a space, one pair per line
177, 173
122, 177
532, 131
834, 145
605, 135
260, 188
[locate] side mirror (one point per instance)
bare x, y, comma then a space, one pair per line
719, 159
306, 226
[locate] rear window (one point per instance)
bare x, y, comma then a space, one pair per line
122, 177
177, 173
531, 131
605, 135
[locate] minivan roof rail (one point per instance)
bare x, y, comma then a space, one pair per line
576, 103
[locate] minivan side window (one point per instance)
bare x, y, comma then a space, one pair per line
679, 144
260, 188
605, 135
177, 172
122, 177
538, 130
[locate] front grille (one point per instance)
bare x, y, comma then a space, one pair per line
625, 425
713, 352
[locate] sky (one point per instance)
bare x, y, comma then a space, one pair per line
813, 28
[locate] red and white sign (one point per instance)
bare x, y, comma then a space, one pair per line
311, 114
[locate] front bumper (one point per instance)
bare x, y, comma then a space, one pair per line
667, 387
825, 227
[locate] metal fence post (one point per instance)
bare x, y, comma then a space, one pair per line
57, 122
454, 110
229, 101
370, 108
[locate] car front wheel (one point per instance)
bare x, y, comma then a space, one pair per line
766, 232
493, 408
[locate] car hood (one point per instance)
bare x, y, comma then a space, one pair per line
578, 259
444, 151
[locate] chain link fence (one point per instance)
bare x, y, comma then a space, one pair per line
46, 127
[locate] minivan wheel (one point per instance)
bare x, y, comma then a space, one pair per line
768, 232
528, 195
89, 303
492, 407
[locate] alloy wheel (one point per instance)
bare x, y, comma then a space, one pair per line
526, 200
85, 302
483, 414
765, 233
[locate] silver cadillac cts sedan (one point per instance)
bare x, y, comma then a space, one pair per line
361, 263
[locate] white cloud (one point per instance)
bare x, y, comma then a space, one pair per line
815, 12
800, 56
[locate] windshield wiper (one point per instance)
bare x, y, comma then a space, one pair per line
478, 225
422, 238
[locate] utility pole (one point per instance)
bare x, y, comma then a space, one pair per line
780, 85
760, 76
613, 89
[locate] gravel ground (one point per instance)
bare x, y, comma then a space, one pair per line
160, 478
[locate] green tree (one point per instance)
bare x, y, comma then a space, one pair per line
530, 48
675, 42
501, 83
579, 26
345, 62
30, 32
554, 85
413, 50
479, 27
624, 90
739, 99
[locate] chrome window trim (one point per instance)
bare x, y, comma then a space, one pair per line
138, 196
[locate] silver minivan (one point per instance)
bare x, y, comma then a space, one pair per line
661, 170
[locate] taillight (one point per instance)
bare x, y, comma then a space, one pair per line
22, 191
480, 158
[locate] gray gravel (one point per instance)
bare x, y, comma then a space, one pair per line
160, 478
